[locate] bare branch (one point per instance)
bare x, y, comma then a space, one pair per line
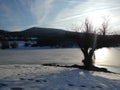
88, 26
104, 27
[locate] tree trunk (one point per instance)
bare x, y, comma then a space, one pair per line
88, 54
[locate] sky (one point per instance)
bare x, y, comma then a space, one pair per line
16, 15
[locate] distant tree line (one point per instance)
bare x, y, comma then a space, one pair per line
9, 41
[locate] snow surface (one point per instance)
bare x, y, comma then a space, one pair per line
38, 77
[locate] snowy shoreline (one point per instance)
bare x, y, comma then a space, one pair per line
39, 77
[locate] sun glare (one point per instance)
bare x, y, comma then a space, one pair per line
97, 17
101, 55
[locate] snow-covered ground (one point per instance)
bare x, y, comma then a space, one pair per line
22, 47
38, 77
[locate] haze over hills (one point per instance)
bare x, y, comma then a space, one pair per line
37, 32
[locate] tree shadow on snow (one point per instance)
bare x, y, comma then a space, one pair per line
67, 79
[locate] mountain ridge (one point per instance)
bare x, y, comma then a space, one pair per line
37, 32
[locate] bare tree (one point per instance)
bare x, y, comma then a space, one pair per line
86, 41
88, 45
89, 41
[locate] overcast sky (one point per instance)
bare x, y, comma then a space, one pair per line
21, 14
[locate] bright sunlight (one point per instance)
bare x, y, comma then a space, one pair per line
97, 17
101, 55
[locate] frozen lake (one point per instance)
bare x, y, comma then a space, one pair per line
107, 57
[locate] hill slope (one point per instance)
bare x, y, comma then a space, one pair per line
39, 32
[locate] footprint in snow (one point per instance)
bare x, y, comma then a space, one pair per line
38, 80
30, 79
70, 84
41, 81
96, 87
83, 86
3, 85
18, 74
17, 88
21, 78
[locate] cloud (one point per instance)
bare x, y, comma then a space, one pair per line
15, 15
55, 13
40, 9
81, 10
7, 16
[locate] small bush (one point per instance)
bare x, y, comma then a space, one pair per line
14, 45
4, 45
26, 44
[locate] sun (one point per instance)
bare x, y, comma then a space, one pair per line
97, 17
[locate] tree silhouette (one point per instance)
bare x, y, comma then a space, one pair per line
89, 41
